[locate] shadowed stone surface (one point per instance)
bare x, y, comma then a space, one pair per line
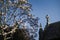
51, 32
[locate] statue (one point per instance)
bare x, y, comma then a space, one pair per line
47, 18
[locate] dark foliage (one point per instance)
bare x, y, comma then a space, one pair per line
18, 35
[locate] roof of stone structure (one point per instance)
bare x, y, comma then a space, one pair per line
52, 31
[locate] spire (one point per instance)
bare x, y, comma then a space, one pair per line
40, 26
40, 32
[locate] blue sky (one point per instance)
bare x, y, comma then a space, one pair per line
43, 7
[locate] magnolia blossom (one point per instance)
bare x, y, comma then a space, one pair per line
4, 33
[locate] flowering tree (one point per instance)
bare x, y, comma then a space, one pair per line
16, 14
